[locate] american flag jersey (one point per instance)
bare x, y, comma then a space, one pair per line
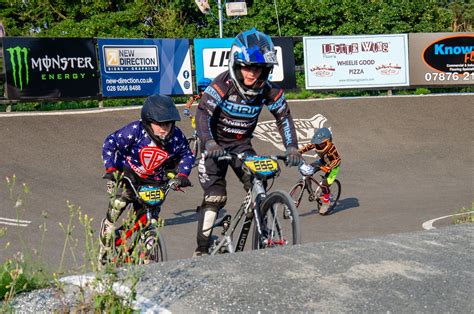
131, 147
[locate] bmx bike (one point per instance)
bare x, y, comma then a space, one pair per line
276, 219
138, 240
313, 185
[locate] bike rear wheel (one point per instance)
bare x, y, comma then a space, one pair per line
280, 223
296, 193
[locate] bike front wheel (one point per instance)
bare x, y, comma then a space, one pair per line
279, 222
155, 249
296, 193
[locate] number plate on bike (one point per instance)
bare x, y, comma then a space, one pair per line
152, 195
262, 166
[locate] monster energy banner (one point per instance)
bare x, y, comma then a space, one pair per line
45, 68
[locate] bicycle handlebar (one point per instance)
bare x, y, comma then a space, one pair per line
170, 185
242, 156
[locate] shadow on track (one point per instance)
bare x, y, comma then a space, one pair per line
347, 203
187, 216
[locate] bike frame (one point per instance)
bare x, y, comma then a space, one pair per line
307, 181
250, 208
144, 221
254, 196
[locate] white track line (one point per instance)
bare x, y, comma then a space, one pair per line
14, 222
428, 225
111, 109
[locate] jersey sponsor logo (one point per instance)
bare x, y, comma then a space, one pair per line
234, 131
277, 104
233, 98
152, 157
213, 93
237, 123
267, 131
241, 110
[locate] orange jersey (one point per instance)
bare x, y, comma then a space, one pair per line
330, 156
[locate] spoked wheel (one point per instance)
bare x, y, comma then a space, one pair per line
194, 145
280, 223
296, 193
154, 249
335, 194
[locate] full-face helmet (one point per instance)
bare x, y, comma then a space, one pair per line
322, 139
251, 48
202, 84
159, 108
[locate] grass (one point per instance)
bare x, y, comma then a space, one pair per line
24, 271
19, 273
464, 215
299, 93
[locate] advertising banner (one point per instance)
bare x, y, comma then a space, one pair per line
362, 61
212, 58
50, 68
142, 67
441, 59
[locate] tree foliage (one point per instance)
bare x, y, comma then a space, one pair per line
182, 19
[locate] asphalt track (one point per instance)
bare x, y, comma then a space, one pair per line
406, 160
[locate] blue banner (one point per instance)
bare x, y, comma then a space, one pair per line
142, 67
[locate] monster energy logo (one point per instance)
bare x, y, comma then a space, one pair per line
19, 60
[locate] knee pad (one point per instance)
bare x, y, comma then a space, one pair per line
209, 217
116, 207
214, 201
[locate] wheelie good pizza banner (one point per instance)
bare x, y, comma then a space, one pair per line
441, 59
212, 58
362, 61
142, 67
50, 68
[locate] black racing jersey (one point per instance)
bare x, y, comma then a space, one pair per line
223, 115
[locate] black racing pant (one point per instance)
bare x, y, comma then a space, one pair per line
125, 195
212, 174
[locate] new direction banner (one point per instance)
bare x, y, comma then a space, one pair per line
441, 59
50, 68
142, 67
212, 58
333, 62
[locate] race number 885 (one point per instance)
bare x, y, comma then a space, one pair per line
263, 165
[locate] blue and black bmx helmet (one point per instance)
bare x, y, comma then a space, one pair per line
159, 109
322, 139
202, 84
251, 48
